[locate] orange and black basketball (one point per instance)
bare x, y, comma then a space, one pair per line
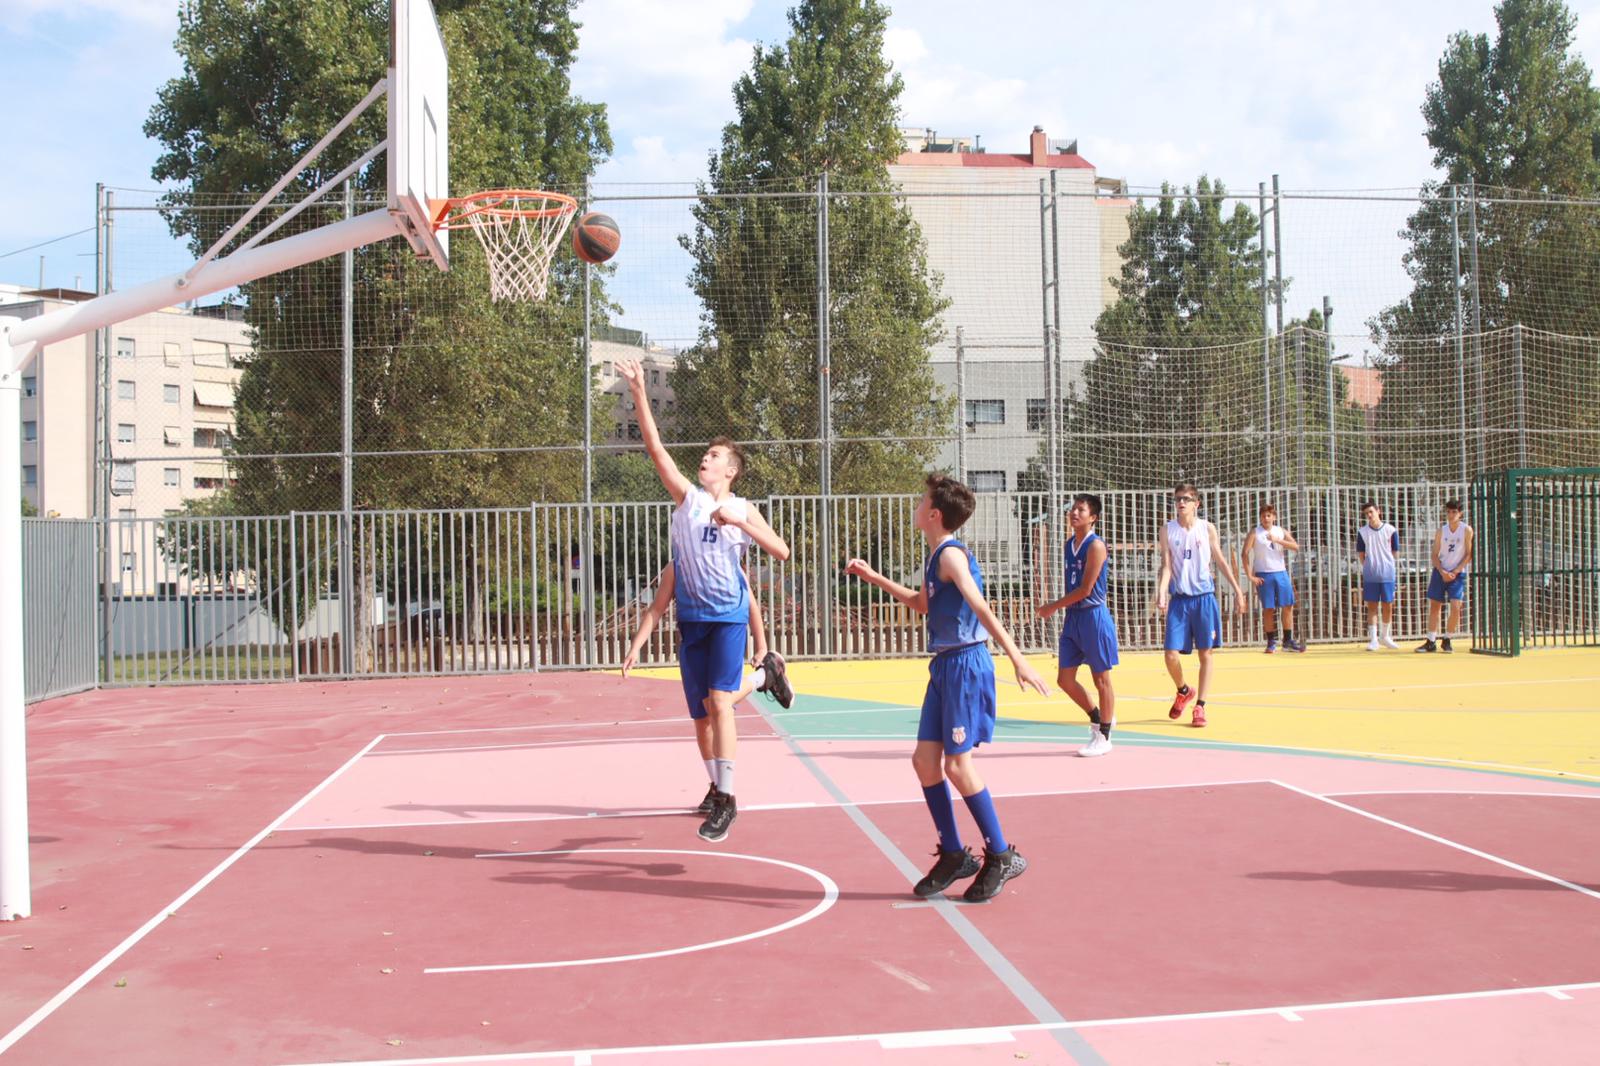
595, 237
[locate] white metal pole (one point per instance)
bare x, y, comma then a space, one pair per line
15, 896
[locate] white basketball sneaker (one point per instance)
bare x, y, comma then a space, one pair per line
1386, 638
1100, 745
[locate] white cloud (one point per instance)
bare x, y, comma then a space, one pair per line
150, 12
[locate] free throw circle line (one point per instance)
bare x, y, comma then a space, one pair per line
830, 896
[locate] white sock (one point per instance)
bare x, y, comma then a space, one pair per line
724, 775
1388, 629
1372, 631
711, 769
1433, 634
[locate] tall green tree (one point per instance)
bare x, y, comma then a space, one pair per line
1519, 116
823, 102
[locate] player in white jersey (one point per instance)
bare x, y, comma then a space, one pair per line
1376, 544
1186, 594
1452, 555
711, 528
1262, 560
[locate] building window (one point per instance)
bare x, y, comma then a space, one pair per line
130, 560
172, 394
633, 431
30, 386
169, 476
655, 377
986, 480
211, 437
124, 476
655, 404
30, 431
210, 353
1036, 410
125, 433
30, 475
172, 436
125, 348
986, 412
125, 390
172, 353
207, 482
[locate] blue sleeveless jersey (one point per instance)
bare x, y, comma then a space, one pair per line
951, 622
1075, 562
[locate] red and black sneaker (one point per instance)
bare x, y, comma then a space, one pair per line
1181, 702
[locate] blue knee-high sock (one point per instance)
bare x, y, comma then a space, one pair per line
982, 808
944, 816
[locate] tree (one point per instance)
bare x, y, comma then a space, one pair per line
29, 510
1520, 117
824, 102
1178, 352
439, 367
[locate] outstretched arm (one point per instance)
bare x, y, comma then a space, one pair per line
953, 568
676, 484
765, 536
917, 601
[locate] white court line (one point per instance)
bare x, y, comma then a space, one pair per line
1590, 795
801, 805
533, 744
830, 896
675, 719
29, 1023
887, 1040
1447, 842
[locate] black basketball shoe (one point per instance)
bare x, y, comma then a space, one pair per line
776, 684
951, 867
723, 811
707, 803
998, 868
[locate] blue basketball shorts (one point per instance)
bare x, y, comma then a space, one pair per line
1275, 590
711, 659
959, 707
1439, 590
1377, 591
1193, 622
1088, 636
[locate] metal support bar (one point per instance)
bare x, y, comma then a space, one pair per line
16, 895
1277, 299
1461, 357
961, 408
1266, 334
827, 585
347, 396
588, 458
1477, 320
1522, 394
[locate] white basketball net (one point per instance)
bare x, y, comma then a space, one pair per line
519, 230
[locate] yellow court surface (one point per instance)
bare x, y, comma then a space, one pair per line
1536, 714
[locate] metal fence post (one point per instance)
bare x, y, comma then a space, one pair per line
1277, 300
589, 649
1522, 394
1046, 283
1477, 320
108, 470
826, 584
347, 605
1461, 324
961, 408
1300, 408
1053, 403
1333, 433
1266, 333
294, 597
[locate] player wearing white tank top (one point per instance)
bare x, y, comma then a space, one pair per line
711, 528
1452, 556
1262, 560
1186, 594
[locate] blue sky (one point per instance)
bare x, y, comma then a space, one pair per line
1324, 93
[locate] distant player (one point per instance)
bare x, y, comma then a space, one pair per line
711, 528
1377, 542
777, 686
1452, 555
1262, 561
1088, 633
958, 711
1186, 594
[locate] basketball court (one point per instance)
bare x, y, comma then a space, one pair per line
1365, 855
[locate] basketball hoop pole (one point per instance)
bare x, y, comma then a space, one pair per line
20, 341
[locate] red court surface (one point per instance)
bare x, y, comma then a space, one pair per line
503, 870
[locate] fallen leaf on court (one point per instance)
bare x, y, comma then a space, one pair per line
394, 1043
386, 933
122, 982
27, 947
483, 1023
387, 969
427, 853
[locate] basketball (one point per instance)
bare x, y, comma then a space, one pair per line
595, 237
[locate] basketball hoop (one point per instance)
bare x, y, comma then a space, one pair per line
519, 230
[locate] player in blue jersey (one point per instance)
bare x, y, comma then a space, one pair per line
958, 711
1452, 557
1377, 542
1186, 594
1088, 634
711, 528
1262, 560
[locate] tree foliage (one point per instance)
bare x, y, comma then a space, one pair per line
823, 102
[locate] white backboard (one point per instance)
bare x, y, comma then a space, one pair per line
419, 127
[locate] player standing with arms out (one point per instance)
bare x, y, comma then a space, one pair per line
1452, 555
711, 528
1186, 594
1262, 561
1376, 544
958, 710
1088, 633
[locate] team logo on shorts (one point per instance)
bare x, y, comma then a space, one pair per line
958, 734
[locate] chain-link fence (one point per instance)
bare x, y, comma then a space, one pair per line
1035, 337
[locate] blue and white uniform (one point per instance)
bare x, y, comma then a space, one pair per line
1088, 635
1452, 551
1193, 618
1268, 560
1378, 548
959, 707
712, 597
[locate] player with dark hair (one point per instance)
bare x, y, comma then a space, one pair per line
1088, 633
1186, 594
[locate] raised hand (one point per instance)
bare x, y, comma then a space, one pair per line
860, 568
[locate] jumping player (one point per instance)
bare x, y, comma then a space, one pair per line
711, 528
1452, 555
1376, 544
1261, 560
1186, 594
1088, 633
958, 711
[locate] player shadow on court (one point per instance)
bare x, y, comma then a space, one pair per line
666, 876
1421, 880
